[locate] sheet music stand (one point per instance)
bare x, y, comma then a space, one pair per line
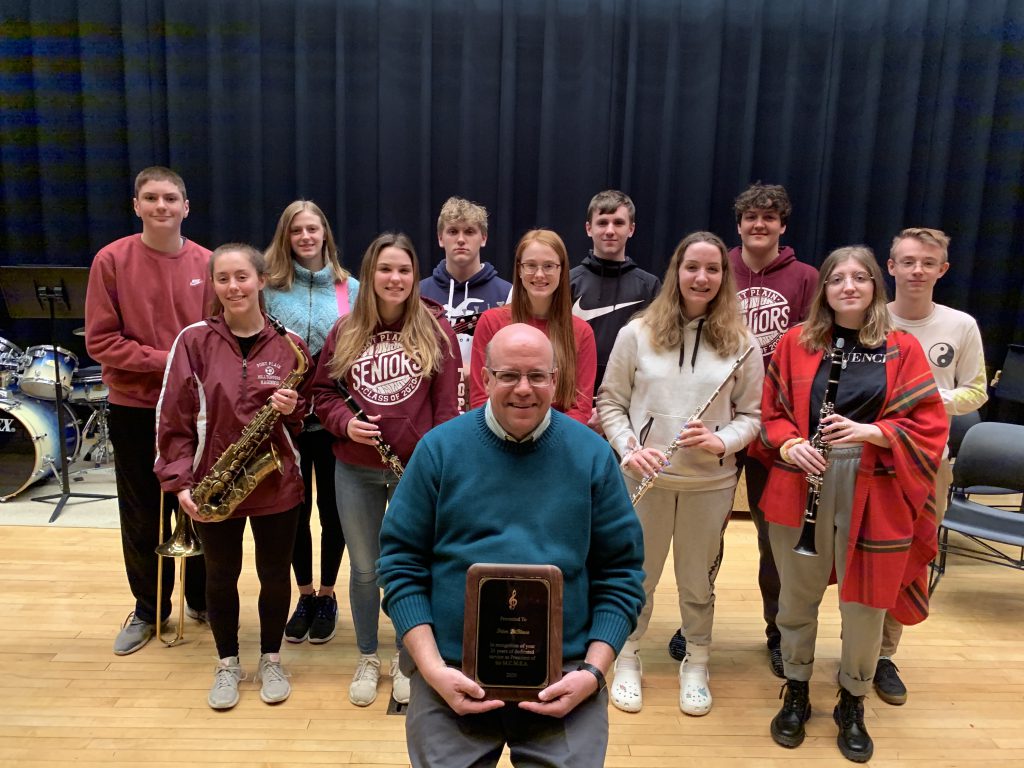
34, 292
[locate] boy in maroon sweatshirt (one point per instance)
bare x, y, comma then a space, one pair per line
775, 292
143, 289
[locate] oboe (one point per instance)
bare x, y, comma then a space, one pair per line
648, 480
387, 454
815, 479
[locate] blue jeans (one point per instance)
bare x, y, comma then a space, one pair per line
363, 494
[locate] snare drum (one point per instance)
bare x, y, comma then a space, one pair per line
10, 361
87, 386
40, 365
28, 442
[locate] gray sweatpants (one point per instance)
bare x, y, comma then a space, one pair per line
693, 522
804, 580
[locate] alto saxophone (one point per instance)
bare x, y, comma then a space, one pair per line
234, 476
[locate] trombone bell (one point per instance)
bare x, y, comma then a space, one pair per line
183, 542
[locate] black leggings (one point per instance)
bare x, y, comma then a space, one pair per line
274, 536
315, 449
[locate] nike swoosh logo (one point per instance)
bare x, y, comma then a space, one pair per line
596, 312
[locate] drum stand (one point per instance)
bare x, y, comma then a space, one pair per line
46, 285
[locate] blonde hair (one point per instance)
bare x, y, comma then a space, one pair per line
560, 330
926, 235
724, 329
817, 330
280, 260
421, 336
459, 209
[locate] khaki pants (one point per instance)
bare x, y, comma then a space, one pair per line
804, 580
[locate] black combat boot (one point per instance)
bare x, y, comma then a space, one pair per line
788, 725
853, 739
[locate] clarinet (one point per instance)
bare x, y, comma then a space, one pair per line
648, 480
387, 454
814, 479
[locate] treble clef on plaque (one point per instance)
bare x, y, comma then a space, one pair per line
512, 602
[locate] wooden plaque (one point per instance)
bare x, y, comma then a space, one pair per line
512, 634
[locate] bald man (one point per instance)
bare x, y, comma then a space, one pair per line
538, 488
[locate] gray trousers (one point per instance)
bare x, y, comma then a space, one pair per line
693, 522
437, 737
892, 630
804, 580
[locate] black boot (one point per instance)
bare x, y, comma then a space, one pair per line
788, 725
853, 739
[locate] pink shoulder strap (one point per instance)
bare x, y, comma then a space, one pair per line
341, 291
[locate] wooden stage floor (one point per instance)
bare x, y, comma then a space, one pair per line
66, 699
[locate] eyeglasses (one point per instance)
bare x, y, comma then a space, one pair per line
538, 379
549, 268
858, 278
926, 264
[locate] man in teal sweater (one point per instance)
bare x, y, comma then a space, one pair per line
511, 482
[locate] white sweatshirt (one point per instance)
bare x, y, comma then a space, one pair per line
654, 392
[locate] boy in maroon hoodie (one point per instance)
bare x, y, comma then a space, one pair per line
143, 289
775, 292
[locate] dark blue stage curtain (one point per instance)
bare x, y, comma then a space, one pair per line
876, 114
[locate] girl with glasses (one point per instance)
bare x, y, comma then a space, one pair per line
666, 364
875, 524
541, 297
399, 359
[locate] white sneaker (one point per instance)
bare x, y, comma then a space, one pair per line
694, 693
363, 690
399, 683
626, 692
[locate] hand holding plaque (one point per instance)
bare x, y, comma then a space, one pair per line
512, 634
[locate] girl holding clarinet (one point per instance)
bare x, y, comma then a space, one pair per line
685, 354
873, 521
388, 373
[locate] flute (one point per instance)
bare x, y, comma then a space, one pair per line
387, 454
648, 480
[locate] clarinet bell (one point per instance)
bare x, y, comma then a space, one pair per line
806, 544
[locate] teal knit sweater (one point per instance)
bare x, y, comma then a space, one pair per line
468, 496
310, 308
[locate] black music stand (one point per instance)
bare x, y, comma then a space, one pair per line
32, 292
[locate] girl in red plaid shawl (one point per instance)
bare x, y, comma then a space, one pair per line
875, 528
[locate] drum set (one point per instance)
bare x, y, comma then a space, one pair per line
29, 447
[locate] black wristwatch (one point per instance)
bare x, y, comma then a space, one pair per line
585, 667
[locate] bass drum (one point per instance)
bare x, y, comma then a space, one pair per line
28, 442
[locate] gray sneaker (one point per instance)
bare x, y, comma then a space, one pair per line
134, 634
276, 687
196, 614
224, 691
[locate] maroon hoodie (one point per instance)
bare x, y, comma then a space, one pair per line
385, 382
776, 298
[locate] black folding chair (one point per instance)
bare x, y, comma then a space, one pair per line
992, 454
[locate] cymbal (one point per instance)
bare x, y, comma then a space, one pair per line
79, 331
